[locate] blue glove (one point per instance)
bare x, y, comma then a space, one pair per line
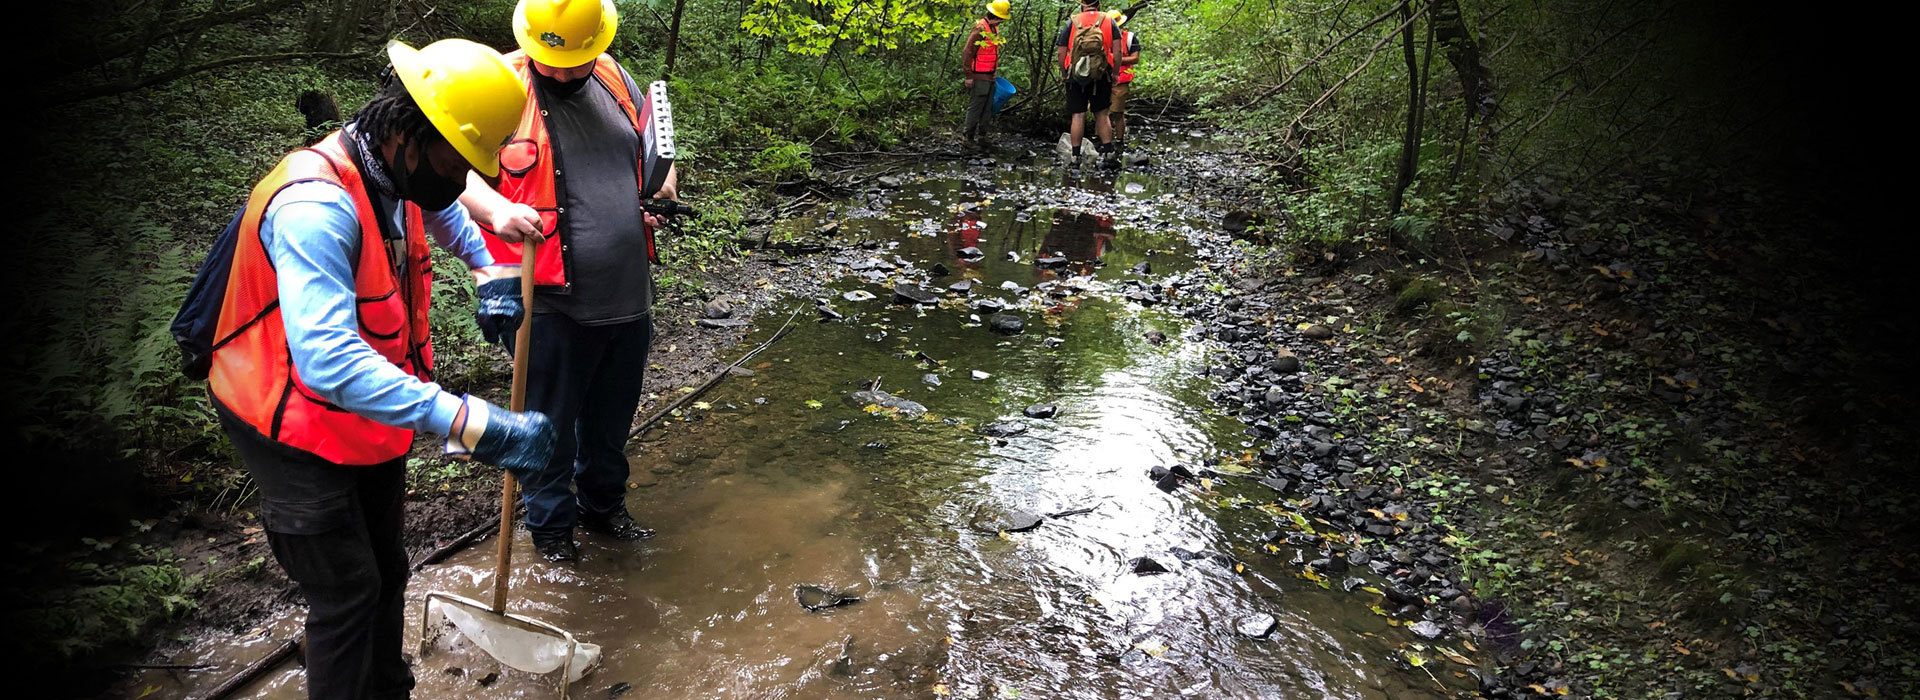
521, 443
500, 312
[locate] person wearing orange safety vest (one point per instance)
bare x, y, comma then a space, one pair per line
1123, 81
1092, 93
322, 369
981, 60
571, 173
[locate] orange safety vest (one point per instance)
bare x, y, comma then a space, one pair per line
986, 57
1126, 72
1106, 37
527, 174
253, 374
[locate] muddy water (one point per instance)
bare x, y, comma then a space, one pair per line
777, 480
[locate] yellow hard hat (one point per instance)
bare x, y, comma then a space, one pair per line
1000, 8
565, 33
469, 93
1118, 17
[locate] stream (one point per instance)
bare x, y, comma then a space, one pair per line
782, 478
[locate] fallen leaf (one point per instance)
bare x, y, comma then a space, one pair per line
941, 689
1455, 656
1569, 557
702, 405
1681, 649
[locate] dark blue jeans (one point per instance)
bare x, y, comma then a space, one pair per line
587, 380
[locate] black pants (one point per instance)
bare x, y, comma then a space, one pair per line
979, 107
336, 531
587, 379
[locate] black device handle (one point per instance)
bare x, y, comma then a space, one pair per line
666, 207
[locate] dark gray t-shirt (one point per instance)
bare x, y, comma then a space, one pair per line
595, 152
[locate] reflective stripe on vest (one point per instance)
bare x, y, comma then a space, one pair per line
1106, 37
986, 57
527, 173
253, 374
1126, 72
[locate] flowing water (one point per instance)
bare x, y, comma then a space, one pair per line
779, 479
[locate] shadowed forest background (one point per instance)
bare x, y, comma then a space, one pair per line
1676, 163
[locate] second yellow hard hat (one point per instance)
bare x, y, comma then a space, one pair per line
565, 33
1000, 8
469, 93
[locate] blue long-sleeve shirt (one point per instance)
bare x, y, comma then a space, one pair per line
311, 232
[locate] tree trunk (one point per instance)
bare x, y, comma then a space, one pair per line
1410, 143
1476, 80
673, 38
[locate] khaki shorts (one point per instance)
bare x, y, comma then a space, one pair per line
1120, 97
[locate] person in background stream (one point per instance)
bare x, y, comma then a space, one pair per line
572, 173
1122, 83
1086, 53
982, 59
324, 367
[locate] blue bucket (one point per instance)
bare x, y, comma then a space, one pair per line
1002, 91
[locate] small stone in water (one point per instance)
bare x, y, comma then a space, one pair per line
1258, 625
816, 599
1146, 565
1427, 629
930, 379
858, 295
1041, 410
978, 375
619, 689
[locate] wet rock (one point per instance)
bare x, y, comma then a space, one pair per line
619, 689
858, 295
1003, 429
816, 599
721, 322
988, 305
1144, 268
1279, 485
930, 379
1009, 521
1136, 158
828, 313
488, 680
971, 253
1011, 286
1146, 565
717, 308
890, 181
979, 375
1051, 262
939, 270
1427, 629
904, 293
1041, 410
1006, 324
1156, 337
876, 397
962, 287
1169, 479
1286, 363
1257, 626
829, 230
1317, 332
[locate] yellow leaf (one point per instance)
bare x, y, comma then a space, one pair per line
1153, 649
1597, 329
1568, 556
1681, 649
1455, 656
702, 405
1414, 660
941, 689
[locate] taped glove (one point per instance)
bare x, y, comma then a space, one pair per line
499, 312
521, 443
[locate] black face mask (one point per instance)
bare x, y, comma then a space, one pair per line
426, 188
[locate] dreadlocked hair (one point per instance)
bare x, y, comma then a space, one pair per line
392, 112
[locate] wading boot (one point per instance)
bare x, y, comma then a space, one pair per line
619, 526
556, 548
